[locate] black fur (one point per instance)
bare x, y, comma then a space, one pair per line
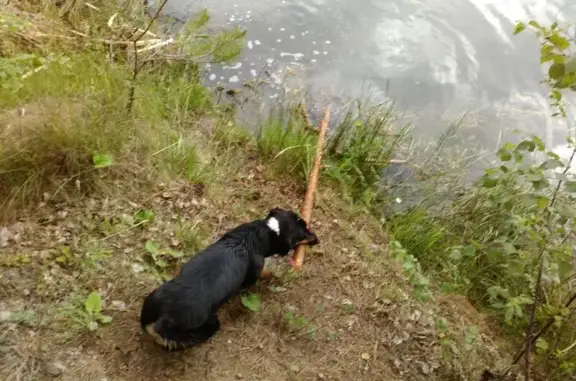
182, 312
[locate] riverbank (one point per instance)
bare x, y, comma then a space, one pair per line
117, 166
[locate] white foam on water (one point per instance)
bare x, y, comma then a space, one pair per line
212, 77
254, 73
315, 52
233, 79
297, 56
233, 67
250, 45
257, 42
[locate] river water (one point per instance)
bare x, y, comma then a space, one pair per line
436, 59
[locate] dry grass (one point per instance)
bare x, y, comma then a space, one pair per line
352, 314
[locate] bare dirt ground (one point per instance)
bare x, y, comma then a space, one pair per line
348, 315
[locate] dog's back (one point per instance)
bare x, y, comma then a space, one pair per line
176, 313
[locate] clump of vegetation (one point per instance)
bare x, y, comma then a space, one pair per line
90, 103
507, 241
287, 143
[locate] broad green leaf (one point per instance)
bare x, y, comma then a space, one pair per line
174, 253
533, 177
251, 302
551, 164
556, 71
568, 80
556, 95
541, 184
455, 255
504, 155
144, 216
539, 143
560, 42
520, 26
441, 325
534, 24
526, 145
542, 345
93, 303
542, 201
161, 263
151, 248
101, 160
469, 250
555, 58
508, 248
488, 182
570, 186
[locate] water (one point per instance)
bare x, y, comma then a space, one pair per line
435, 58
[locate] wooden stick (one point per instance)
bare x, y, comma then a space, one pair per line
312, 183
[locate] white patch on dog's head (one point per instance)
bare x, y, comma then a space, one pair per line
274, 225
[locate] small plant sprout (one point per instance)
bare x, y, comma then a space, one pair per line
143, 216
251, 301
161, 259
101, 160
93, 310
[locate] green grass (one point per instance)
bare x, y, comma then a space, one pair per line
357, 149
287, 144
66, 108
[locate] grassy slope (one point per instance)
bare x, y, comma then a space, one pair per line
349, 315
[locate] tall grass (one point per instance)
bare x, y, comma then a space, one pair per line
63, 103
357, 149
361, 147
286, 143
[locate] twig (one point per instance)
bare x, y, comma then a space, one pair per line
542, 331
312, 183
138, 66
119, 232
304, 113
99, 40
532, 319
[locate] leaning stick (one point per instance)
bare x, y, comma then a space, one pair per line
312, 183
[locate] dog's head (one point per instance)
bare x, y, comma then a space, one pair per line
290, 230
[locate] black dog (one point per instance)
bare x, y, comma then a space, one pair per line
182, 312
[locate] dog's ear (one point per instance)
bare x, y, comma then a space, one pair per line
274, 212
